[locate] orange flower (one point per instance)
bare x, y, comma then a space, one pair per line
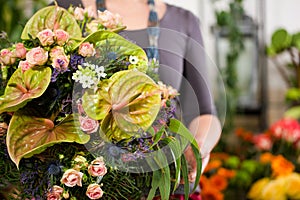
281, 166
213, 164
266, 158
226, 173
211, 193
245, 135
218, 182
204, 182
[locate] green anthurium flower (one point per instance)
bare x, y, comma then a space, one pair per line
28, 135
24, 86
126, 104
51, 17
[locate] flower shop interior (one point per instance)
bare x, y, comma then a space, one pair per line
254, 50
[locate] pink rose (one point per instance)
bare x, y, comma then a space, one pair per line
61, 36
56, 51
86, 49
79, 13
88, 125
61, 62
7, 57
20, 51
92, 26
71, 178
97, 167
108, 19
94, 191
24, 65
53, 196
89, 12
37, 56
46, 37
57, 189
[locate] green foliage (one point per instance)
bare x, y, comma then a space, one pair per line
229, 22
13, 16
283, 51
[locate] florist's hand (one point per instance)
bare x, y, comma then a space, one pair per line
192, 163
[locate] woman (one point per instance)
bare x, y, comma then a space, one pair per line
178, 47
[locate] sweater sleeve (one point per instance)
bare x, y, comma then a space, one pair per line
196, 95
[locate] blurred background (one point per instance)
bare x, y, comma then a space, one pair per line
255, 44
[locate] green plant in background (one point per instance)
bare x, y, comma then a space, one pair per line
13, 17
284, 51
229, 22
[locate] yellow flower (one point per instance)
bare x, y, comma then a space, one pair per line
257, 188
275, 190
293, 186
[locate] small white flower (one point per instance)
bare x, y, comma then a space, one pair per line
133, 60
89, 74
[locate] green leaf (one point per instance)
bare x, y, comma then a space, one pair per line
185, 175
165, 186
132, 102
156, 181
27, 135
121, 45
157, 136
177, 127
281, 40
293, 112
23, 87
296, 40
51, 17
177, 152
292, 94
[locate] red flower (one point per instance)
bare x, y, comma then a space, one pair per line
262, 141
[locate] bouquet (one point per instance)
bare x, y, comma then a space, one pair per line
83, 114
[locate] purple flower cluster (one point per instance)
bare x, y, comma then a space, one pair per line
76, 60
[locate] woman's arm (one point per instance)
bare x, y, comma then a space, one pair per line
207, 132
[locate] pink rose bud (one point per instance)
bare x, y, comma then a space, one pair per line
20, 51
79, 13
88, 125
24, 65
97, 167
86, 49
37, 56
108, 19
7, 57
94, 191
89, 12
46, 37
71, 178
57, 189
56, 51
61, 62
53, 196
61, 36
